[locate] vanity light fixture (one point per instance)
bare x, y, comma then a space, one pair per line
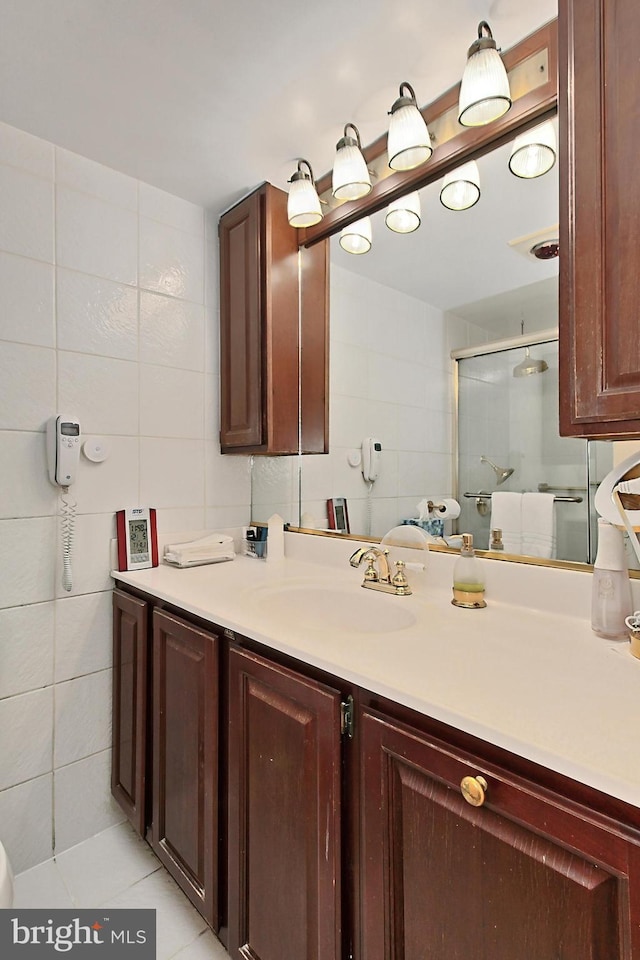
356, 238
303, 203
403, 215
484, 91
408, 141
350, 179
461, 187
534, 152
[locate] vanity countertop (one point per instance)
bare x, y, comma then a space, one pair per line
536, 682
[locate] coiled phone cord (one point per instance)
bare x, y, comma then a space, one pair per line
68, 514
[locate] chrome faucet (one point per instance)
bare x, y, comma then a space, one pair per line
380, 578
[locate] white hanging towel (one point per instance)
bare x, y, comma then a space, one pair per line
506, 515
538, 525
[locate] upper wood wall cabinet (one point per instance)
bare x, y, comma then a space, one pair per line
599, 78
262, 345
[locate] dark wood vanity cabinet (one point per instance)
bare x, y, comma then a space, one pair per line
184, 821
165, 717
130, 707
599, 76
284, 813
269, 330
525, 873
301, 843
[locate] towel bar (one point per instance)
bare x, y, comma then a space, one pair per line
487, 496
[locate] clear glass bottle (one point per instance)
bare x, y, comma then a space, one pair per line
611, 592
468, 581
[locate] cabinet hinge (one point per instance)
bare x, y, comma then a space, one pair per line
346, 717
229, 634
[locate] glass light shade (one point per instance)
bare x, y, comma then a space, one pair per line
534, 152
403, 215
408, 141
356, 238
350, 179
303, 204
461, 187
484, 91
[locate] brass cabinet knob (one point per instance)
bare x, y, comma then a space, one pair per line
473, 790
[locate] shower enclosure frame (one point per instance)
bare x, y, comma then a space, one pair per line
533, 339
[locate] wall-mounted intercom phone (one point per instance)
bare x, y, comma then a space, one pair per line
63, 453
371, 450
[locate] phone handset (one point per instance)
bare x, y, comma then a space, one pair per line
63, 453
371, 450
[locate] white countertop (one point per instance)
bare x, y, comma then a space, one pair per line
536, 682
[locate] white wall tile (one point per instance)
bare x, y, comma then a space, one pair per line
20, 149
91, 558
83, 802
27, 386
94, 178
173, 211
220, 517
26, 226
26, 301
171, 402
27, 560
317, 477
171, 332
26, 649
27, 752
112, 484
82, 717
82, 635
95, 315
95, 237
26, 818
212, 408
25, 490
100, 391
188, 518
228, 479
171, 472
171, 261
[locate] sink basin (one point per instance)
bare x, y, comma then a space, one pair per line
329, 607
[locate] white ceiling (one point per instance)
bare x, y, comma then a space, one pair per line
206, 99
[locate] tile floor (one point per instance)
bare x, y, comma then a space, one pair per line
116, 868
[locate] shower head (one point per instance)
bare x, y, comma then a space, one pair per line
502, 473
528, 366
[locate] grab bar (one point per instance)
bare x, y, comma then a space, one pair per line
487, 496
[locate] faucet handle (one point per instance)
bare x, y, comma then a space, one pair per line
399, 580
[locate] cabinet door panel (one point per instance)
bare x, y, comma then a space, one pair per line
184, 830
129, 707
517, 876
599, 185
284, 813
241, 333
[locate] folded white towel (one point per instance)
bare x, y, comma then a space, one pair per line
506, 515
210, 549
538, 525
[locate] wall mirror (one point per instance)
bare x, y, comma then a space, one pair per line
462, 282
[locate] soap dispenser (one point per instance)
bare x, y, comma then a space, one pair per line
468, 581
611, 592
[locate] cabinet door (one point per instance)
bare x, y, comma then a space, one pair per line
184, 830
599, 76
521, 875
129, 707
284, 813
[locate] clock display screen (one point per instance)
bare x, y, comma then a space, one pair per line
139, 539
340, 519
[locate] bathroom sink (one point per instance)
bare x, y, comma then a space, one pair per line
330, 607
